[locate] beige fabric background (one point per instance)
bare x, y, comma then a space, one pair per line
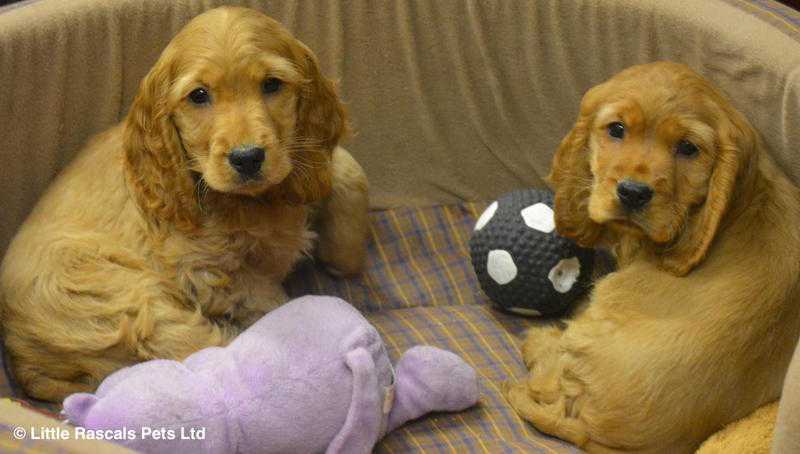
451, 100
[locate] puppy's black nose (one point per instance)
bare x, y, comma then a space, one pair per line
247, 160
633, 195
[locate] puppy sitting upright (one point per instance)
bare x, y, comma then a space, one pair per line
172, 231
697, 326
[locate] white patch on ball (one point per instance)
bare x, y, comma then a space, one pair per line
564, 274
500, 266
540, 217
524, 311
486, 216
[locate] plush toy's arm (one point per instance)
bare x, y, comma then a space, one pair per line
362, 427
77, 407
430, 379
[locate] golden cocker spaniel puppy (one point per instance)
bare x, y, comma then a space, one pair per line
697, 325
172, 231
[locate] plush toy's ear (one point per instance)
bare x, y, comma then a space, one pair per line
362, 426
77, 407
571, 177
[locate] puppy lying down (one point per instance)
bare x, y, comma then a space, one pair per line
173, 230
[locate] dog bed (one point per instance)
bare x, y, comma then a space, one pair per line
452, 102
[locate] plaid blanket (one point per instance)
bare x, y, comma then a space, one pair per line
472, 333
417, 257
419, 288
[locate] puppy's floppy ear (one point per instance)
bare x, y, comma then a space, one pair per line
321, 115
571, 176
321, 122
155, 163
737, 142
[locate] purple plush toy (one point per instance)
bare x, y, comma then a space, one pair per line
311, 376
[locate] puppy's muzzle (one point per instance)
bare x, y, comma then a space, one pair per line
634, 195
247, 160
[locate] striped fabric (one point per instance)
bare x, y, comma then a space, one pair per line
419, 288
778, 15
471, 332
417, 257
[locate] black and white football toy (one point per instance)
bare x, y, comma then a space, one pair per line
522, 264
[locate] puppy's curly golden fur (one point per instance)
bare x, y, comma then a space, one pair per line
696, 327
152, 243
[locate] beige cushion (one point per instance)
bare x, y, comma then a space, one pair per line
787, 429
749, 435
451, 100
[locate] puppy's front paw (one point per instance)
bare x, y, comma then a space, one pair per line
342, 260
542, 401
343, 220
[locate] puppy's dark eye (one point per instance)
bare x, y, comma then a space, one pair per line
199, 96
686, 148
616, 130
271, 85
